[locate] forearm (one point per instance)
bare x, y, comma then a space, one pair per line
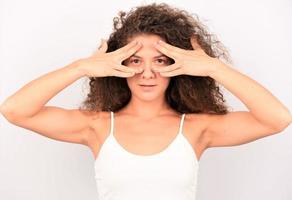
29, 99
265, 107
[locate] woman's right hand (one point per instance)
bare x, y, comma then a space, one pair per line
102, 64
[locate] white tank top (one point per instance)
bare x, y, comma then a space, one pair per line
168, 175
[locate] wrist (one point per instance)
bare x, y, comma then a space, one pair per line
217, 68
78, 68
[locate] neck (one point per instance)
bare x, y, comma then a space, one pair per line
147, 110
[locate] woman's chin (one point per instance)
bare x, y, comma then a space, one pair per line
147, 96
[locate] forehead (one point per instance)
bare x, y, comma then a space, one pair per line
147, 41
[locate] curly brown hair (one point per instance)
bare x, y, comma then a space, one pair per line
185, 94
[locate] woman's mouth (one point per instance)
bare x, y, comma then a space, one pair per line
147, 87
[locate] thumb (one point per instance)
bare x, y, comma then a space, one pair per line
103, 46
194, 42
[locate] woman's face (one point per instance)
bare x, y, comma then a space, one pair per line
146, 58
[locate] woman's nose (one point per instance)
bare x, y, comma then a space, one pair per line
147, 70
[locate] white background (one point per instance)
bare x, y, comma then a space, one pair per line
40, 36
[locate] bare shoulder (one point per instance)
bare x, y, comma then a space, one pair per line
198, 120
98, 121
194, 129
96, 118
207, 120
196, 125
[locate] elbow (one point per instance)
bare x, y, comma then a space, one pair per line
3, 109
6, 112
283, 124
289, 120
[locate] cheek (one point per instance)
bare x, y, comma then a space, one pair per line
130, 81
166, 81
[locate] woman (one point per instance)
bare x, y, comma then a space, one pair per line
153, 107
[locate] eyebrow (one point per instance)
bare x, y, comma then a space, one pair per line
160, 55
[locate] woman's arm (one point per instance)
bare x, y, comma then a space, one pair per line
31, 98
262, 104
266, 115
26, 108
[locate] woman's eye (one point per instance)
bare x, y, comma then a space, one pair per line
161, 61
135, 61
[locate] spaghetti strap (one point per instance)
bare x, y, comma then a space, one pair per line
117, 169
112, 123
181, 123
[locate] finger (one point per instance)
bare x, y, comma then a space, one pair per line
194, 42
127, 69
167, 68
103, 47
125, 54
175, 72
167, 52
122, 74
170, 47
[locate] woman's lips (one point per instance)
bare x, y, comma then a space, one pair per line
147, 87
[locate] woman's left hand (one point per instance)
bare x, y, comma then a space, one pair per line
190, 62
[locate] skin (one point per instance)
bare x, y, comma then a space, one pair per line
147, 109
157, 70
147, 104
27, 109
